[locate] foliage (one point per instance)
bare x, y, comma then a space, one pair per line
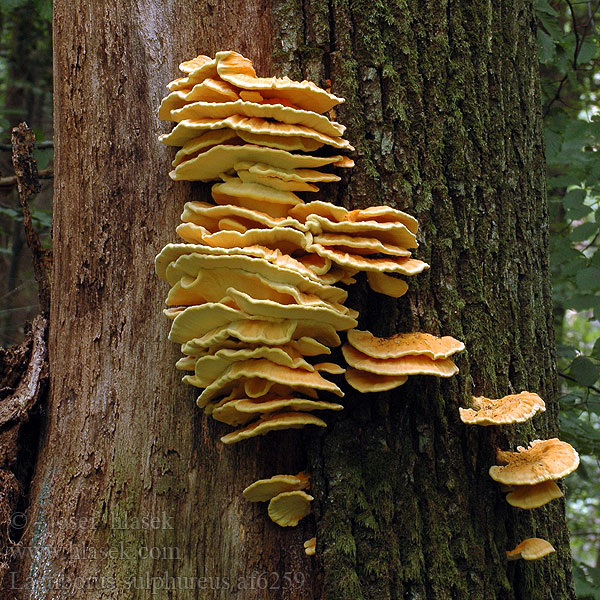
569, 52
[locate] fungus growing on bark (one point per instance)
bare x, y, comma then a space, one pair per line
242, 410
256, 331
533, 496
288, 508
208, 165
278, 113
404, 344
542, 461
285, 239
208, 368
310, 546
191, 125
386, 284
276, 422
404, 365
394, 233
265, 489
381, 364
238, 70
516, 408
269, 373
366, 382
531, 549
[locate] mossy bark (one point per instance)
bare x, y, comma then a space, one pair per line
442, 105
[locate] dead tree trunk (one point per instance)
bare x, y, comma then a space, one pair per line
442, 104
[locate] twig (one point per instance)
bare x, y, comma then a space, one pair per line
571, 378
11, 180
23, 142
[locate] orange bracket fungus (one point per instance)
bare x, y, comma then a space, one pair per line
288, 503
288, 508
543, 460
310, 546
265, 489
533, 496
516, 408
379, 364
531, 549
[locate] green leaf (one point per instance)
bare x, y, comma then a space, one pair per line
587, 51
574, 198
565, 351
588, 279
546, 47
578, 212
583, 232
584, 371
596, 349
542, 6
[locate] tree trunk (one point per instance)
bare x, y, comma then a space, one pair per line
442, 104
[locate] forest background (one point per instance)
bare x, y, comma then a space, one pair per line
569, 56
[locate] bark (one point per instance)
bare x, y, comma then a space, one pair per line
443, 107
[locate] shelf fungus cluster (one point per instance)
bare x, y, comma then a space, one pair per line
380, 364
528, 475
265, 140
288, 501
253, 299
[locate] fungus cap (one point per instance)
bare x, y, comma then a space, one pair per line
282, 269
267, 371
531, 549
265, 489
209, 90
276, 422
318, 208
541, 461
404, 344
338, 318
533, 496
241, 410
195, 321
516, 408
351, 244
171, 252
275, 182
208, 165
208, 368
386, 284
210, 216
286, 239
237, 70
404, 365
285, 115
297, 175
310, 546
204, 142
191, 125
402, 265
383, 214
288, 508
396, 234
366, 382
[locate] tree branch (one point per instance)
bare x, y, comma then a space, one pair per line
23, 142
